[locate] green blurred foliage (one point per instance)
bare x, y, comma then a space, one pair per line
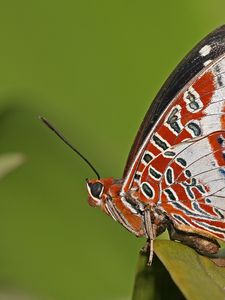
92, 68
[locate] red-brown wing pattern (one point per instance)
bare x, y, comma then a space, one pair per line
180, 121
187, 69
191, 125
192, 187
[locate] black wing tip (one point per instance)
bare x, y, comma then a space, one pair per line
217, 33
221, 27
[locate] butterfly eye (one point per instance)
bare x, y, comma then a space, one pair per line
96, 189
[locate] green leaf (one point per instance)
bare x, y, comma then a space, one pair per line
153, 283
9, 162
197, 276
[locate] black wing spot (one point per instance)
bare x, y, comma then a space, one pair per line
169, 176
147, 157
182, 161
207, 200
137, 176
194, 128
170, 194
188, 173
222, 171
219, 213
169, 153
181, 219
200, 188
147, 190
219, 77
159, 142
193, 104
172, 120
154, 173
220, 140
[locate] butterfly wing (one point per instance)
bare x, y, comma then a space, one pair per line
189, 67
192, 122
192, 186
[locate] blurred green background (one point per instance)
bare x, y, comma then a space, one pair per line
92, 68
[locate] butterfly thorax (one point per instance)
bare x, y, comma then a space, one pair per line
124, 207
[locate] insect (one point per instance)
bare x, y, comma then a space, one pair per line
174, 177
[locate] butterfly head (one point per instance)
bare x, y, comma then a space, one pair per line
95, 190
98, 191
106, 194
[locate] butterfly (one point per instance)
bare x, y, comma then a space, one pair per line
174, 177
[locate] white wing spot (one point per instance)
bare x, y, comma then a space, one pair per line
206, 63
205, 50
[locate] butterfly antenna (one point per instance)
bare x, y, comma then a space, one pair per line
60, 135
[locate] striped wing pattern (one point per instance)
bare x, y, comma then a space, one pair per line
180, 166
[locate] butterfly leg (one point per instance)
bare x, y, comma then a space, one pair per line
151, 234
203, 245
